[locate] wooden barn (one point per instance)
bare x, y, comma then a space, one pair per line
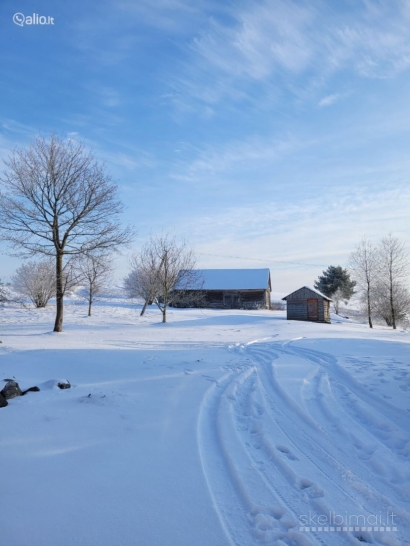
308, 304
229, 289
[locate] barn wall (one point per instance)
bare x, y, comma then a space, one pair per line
245, 299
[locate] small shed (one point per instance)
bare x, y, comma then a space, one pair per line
308, 304
229, 289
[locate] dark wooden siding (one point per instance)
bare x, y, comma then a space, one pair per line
232, 299
297, 305
297, 309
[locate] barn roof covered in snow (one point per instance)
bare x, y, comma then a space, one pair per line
232, 279
312, 290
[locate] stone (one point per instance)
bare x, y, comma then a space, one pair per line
63, 384
11, 390
3, 401
31, 389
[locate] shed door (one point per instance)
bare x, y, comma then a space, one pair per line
312, 306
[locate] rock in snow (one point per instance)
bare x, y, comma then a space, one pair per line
64, 384
11, 390
31, 389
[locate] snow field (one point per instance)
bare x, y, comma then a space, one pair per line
219, 428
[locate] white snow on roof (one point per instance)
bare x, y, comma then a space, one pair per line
234, 279
313, 290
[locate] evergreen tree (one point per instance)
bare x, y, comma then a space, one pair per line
333, 279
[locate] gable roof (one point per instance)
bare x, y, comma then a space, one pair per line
233, 279
312, 290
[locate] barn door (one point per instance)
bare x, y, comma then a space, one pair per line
232, 301
313, 309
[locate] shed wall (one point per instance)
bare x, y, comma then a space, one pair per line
297, 306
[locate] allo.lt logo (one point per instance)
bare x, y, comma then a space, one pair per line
20, 19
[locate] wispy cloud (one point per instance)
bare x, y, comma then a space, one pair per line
275, 46
329, 100
212, 162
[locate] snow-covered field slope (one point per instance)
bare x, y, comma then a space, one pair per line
219, 428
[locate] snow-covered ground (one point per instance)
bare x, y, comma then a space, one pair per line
219, 428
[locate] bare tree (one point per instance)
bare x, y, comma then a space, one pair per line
393, 271
3, 293
337, 298
363, 262
36, 281
95, 270
142, 281
58, 202
176, 270
162, 265
382, 307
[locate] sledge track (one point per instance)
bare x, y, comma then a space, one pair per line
270, 457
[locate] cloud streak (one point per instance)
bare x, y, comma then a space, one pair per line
271, 47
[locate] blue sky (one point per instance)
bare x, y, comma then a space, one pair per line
267, 133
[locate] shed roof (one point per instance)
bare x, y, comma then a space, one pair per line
312, 290
233, 279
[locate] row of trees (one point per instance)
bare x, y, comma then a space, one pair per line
378, 275
36, 280
162, 264
59, 203
382, 273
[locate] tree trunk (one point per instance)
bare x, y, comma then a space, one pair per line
369, 316
393, 311
164, 314
58, 326
369, 308
90, 301
145, 307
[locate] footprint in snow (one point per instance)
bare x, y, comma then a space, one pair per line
287, 452
210, 378
270, 523
312, 490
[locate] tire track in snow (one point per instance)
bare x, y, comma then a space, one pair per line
369, 453
359, 487
312, 462
247, 421
249, 510
383, 440
272, 461
399, 417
